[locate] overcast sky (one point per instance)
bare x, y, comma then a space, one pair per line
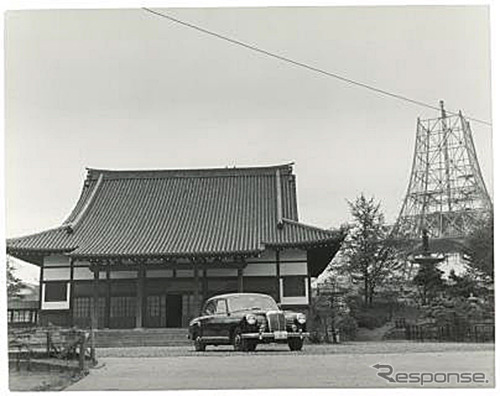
124, 89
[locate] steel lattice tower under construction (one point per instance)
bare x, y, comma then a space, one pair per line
446, 194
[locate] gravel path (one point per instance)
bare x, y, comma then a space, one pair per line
309, 349
269, 369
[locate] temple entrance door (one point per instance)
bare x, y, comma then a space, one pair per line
174, 310
164, 310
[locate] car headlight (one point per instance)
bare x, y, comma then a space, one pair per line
251, 319
301, 318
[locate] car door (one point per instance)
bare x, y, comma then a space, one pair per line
224, 322
216, 324
206, 317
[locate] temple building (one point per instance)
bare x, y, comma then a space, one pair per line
144, 248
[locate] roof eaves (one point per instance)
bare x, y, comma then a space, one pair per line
306, 243
57, 228
310, 227
186, 255
13, 249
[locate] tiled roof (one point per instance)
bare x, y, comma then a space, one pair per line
179, 213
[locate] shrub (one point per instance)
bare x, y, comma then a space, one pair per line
371, 319
348, 327
316, 330
321, 328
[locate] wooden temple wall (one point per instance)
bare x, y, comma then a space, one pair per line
67, 289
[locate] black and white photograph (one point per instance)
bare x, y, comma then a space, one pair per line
288, 197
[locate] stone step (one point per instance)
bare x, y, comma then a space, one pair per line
141, 337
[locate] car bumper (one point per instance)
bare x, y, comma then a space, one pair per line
273, 336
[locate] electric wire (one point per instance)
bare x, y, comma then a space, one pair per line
304, 65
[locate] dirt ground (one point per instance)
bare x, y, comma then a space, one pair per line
40, 380
317, 366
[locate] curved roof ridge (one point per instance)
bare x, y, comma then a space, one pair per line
190, 172
81, 202
88, 202
286, 164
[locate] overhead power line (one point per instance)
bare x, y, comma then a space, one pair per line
304, 65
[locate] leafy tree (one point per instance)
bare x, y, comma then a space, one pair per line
480, 248
369, 256
462, 286
429, 281
14, 284
471, 287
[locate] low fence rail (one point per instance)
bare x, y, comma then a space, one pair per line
477, 332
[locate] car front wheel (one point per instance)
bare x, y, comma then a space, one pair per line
251, 345
295, 344
199, 346
239, 343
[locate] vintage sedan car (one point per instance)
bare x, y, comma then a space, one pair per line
245, 320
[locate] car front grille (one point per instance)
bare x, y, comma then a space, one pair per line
276, 321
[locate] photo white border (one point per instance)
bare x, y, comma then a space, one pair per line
117, 4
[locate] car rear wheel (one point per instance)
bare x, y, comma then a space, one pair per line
295, 344
199, 345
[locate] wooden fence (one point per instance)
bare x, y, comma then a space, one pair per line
50, 342
476, 332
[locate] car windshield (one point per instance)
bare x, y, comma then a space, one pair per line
257, 302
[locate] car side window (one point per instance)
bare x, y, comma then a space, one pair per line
221, 307
209, 308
